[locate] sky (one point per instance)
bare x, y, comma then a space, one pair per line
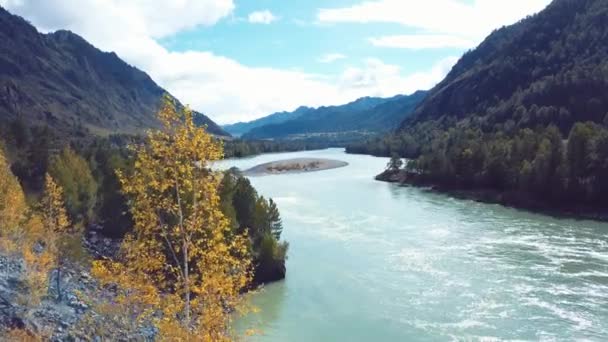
238, 60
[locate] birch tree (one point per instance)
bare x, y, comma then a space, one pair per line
181, 268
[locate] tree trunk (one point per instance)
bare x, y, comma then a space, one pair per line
185, 252
186, 284
58, 280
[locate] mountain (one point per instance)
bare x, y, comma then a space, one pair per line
368, 114
521, 120
241, 128
550, 68
62, 81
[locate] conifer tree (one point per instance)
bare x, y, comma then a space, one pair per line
276, 224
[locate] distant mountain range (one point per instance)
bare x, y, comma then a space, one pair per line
241, 128
62, 81
368, 114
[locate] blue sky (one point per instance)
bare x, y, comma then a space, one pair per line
237, 60
301, 41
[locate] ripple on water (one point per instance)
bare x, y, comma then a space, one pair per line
422, 266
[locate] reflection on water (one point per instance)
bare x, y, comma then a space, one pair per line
374, 261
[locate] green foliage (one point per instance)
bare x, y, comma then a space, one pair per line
399, 144
73, 174
272, 250
276, 224
259, 216
537, 163
105, 158
395, 163
579, 150
253, 212
244, 202
239, 148
226, 192
32, 149
268, 249
546, 70
499, 118
549, 68
28, 148
261, 220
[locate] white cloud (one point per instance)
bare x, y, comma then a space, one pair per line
331, 57
262, 17
152, 18
380, 79
232, 92
451, 20
225, 89
424, 41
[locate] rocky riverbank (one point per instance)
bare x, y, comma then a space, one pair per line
65, 319
56, 319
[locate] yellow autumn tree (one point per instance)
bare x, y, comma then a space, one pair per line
22, 237
39, 259
13, 208
181, 268
56, 226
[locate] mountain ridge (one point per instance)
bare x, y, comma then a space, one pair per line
61, 80
370, 114
522, 120
541, 60
240, 128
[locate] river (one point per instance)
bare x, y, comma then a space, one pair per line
372, 261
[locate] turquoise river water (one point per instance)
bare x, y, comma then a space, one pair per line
371, 261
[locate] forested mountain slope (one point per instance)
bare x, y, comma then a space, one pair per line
62, 81
524, 115
551, 68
